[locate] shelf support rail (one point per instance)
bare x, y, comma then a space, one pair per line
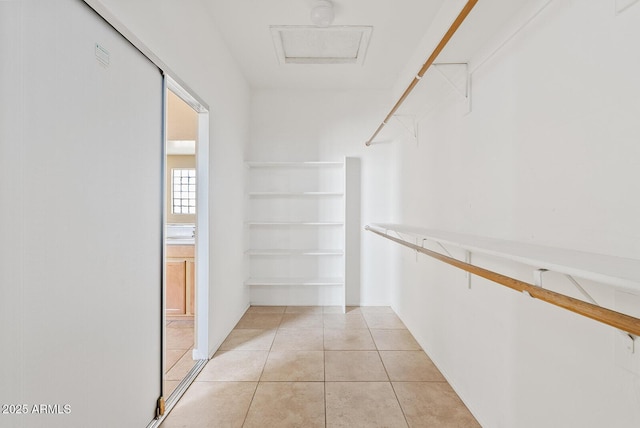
626, 323
445, 39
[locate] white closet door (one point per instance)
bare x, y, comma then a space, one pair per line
82, 167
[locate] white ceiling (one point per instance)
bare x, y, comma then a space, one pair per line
398, 27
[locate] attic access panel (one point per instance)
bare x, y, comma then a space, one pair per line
317, 45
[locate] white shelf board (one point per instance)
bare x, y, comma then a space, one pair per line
314, 164
293, 194
605, 269
294, 252
295, 281
293, 223
321, 183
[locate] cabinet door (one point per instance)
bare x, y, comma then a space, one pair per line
191, 284
176, 287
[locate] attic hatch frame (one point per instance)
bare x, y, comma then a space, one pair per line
438, 49
279, 31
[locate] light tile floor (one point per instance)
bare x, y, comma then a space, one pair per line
316, 367
178, 358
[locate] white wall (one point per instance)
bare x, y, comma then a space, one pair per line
182, 35
329, 125
549, 154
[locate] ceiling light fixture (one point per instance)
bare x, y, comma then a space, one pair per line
322, 13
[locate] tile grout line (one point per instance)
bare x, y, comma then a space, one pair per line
253, 396
246, 414
324, 371
177, 361
391, 383
399, 403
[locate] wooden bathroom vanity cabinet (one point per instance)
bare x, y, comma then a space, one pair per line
180, 280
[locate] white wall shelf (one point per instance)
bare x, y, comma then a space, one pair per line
315, 164
295, 223
295, 252
615, 271
293, 194
287, 281
296, 232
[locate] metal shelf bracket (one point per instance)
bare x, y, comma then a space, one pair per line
462, 88
410, 123
467, 259
581, 289
629, 341
445, 250
537, 277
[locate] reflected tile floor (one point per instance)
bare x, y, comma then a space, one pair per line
178, 359
308, 366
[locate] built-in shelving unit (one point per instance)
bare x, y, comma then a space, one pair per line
296, 230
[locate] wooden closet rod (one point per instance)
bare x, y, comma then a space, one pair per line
607, 316
454, 27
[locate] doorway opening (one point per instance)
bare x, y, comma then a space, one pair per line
185, 286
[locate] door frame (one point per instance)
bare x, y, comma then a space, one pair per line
200, 352
201, 336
